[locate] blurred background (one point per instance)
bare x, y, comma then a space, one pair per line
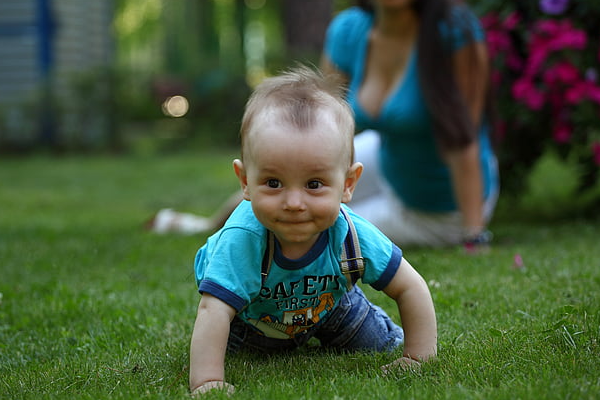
153, 77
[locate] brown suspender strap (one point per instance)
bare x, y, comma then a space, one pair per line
352, 264
268, 257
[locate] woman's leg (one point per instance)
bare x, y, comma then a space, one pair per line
366, 145
170, 221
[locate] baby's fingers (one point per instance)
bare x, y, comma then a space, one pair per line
213, 385
403, 363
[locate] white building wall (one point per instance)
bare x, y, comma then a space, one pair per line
19, 67
81, 45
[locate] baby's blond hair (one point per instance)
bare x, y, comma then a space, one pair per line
298, 96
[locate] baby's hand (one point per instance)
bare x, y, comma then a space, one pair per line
213, 385
403, 363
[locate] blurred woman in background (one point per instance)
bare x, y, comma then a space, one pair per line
417, 77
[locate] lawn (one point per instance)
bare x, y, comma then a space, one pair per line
94, 307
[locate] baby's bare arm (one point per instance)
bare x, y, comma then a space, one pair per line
415, 305
209, 343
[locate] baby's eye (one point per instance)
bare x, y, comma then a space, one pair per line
314, 185
273, 183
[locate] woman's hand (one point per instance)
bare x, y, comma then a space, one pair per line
477, 242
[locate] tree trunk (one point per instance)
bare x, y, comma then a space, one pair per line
305, 23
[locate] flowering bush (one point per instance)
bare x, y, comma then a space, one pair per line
545, 56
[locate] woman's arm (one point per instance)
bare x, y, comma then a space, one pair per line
465, 170
471, 66
209, 344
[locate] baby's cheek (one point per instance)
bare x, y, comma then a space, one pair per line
332, 216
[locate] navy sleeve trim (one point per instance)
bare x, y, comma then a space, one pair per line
223, 294
390, 270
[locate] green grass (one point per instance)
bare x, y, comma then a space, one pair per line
94, 307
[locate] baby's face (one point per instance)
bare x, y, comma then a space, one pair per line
296, 180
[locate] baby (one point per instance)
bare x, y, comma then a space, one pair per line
283, 267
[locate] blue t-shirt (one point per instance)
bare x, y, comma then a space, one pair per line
297, 294
409, 157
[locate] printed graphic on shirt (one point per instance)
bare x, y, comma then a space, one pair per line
296, 306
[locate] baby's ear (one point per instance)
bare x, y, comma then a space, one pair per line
240, 171
352, 177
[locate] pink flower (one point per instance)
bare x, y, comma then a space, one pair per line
573, 39
536, 59
596, 152
562, 72
557, 35
498, 43
562, 132
593, 92
546, 27
498, 33
583, 90
566, 72
518, 262
524, 91
575, 94
511, 21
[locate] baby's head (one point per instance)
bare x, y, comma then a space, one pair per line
297, 157
301, 99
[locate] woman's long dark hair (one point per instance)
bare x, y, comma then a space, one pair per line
453, 126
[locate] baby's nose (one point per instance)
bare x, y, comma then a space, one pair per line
294, 199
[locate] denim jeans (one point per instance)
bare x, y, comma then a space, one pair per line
355, 324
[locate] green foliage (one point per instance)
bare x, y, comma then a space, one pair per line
93, 307
17, 129
553, 188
